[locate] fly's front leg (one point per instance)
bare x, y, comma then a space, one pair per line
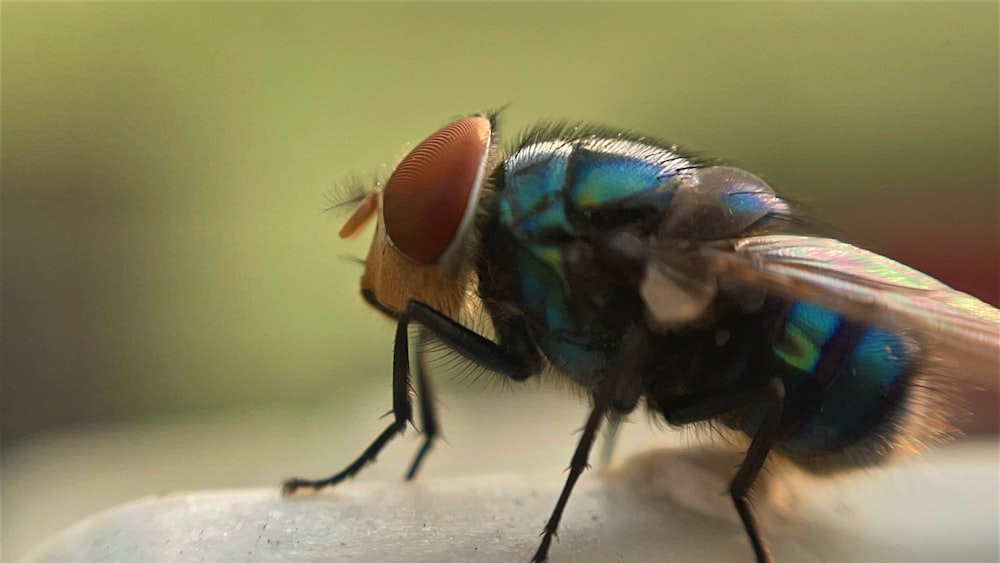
428, 409
514, 357
402, 413
618, 392
696, 408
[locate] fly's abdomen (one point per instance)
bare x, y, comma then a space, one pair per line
845, 384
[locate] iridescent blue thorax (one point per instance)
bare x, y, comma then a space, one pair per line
556, 194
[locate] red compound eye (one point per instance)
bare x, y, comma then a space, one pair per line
430, 196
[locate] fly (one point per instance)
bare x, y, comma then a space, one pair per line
646, 275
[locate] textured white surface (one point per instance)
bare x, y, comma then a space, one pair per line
661, 505
54, 480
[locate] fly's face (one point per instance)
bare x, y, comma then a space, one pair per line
426, 219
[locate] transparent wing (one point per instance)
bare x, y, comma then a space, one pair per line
860, 284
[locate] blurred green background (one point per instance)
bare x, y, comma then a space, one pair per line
164, 246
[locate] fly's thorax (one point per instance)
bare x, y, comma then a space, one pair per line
427, 211
711, 209
718, 203
556, 196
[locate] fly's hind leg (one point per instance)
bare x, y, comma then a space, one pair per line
739, 488
695, 408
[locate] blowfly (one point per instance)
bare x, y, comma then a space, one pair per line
646, 275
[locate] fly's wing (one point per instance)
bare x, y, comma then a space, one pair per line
832, 274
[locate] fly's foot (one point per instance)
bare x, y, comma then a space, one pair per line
291, 486
542, 554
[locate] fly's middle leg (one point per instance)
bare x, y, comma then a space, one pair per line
618, 392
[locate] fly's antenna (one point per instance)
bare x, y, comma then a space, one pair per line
345, 195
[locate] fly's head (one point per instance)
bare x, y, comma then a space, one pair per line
426, 215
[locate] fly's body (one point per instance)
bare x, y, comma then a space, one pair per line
647, 276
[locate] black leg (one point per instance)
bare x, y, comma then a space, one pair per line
756, 454
693, 408
706, 406
402, 411
576, 467
428, 412
514, 357
618, 389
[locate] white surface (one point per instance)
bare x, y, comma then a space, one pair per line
55, 479
944, 508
